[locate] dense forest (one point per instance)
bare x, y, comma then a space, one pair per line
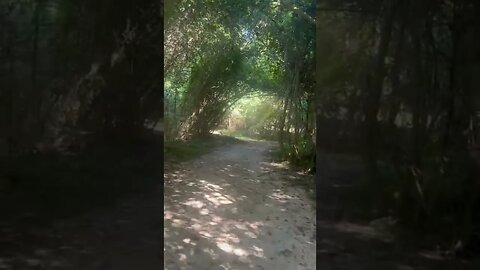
239, 128
378, 95
77, 80
80, 95
70, 68
253, 58
397, 85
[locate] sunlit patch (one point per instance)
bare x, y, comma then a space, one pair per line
212, 200
228, 237
250, 234
213, 235
258, 252
196, 226
225, 247
194, 203
230, 249
240, 252
168, 215
205, 234
255, 225
276, 165
280, 196
241, 226
214, 187
226, 267
178, 222
183, 257
225, 201
265, 170
229, 198
218, 199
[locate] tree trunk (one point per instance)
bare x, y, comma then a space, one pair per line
296, 105
418, 101
10, 98
451, 88
395, 74
283, 118
36, 95
372, 102
316, 100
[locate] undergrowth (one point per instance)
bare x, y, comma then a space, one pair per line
59, 185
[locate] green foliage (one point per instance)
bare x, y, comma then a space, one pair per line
221, 57
255, 116
299, 153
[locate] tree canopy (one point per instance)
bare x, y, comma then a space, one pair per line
396, 83
77, 66
217, 52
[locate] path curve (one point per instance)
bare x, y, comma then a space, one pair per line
234, 209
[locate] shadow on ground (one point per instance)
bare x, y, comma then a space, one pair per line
348, 241
92, 210
231, 210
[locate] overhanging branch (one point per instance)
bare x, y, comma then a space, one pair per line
298, 11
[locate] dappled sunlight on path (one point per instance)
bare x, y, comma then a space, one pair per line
232, 210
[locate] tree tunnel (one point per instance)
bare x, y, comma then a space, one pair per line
218, 58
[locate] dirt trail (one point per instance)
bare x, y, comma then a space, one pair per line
234, 209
